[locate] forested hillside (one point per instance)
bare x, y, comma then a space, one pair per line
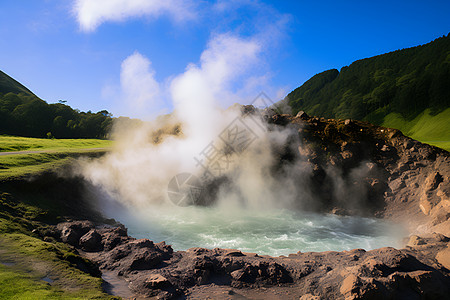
400, 89
24, 114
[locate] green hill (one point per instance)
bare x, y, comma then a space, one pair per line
408, 89
10, 85
22, 113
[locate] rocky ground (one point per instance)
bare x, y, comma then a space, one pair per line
404, 180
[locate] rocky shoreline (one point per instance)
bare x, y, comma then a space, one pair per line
405, 181
155, 270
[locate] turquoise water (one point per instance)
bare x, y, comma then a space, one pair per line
272, 232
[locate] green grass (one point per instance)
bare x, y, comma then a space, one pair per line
14, 143
55, 152
22, 165
29, 259
433, 130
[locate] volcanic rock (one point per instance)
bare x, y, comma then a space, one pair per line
71, 232
91, 241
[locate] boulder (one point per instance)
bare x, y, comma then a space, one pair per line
91, 241
349, 285
433, 181
415, 240
71, 232
136, 255
443, 257
157, 281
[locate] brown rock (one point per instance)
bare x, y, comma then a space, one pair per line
397, 184
91, 241
157, 281
238, 275
232, 252
309, 297
350, 285
415, 240
425, 203
443, 257
71, 232
443, 191
433, 181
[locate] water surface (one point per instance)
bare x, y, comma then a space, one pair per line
274, 232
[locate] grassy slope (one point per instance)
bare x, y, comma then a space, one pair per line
15, 143
58, 151
25, 260
433, 130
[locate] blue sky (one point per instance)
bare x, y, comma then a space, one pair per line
128, 56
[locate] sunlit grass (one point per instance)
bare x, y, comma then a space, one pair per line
14, 143
31, 259
55, 152
20, 165
433, 130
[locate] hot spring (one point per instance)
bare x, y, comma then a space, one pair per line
260, 186
275, 232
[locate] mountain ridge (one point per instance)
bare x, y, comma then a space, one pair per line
405, 81
10, 85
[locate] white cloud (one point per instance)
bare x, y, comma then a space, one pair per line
92, 13
141, 92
